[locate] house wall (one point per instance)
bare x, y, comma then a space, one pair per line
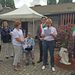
33, 28
55, 20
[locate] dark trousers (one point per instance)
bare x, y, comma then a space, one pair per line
48, 45
41, 50
74, 50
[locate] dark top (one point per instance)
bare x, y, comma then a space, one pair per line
5, 36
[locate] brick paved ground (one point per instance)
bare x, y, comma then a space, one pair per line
7, 69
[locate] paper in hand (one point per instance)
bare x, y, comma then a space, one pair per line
47, 32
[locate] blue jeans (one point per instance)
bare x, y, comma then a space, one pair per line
41, 50
48, 45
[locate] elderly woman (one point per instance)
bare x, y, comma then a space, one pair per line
17, 39
48, 34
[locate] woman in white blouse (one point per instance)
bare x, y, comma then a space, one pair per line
17, 39
49, 33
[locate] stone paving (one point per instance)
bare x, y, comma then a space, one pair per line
6, 68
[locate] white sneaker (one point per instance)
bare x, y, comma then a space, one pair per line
43, 67
68, 63
53, 69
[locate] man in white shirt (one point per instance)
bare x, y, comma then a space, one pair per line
48, 34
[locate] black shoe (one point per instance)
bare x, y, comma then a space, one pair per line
27, 64
39, 61
72, 73
33, 63
7, 57
47, 63
11, 56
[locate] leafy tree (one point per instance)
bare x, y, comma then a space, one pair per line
69, 1
10, 3
65, 1
51, 2
7, 3
2, 2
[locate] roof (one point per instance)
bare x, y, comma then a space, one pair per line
55, 9
6, 9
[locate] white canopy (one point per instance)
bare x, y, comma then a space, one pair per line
22, 13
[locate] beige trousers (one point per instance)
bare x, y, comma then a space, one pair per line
17, 54
6, 50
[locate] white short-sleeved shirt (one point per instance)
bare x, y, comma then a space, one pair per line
16, 34
47, 31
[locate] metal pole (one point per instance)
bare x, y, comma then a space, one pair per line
33, 28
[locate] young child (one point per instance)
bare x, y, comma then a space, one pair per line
28, 48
